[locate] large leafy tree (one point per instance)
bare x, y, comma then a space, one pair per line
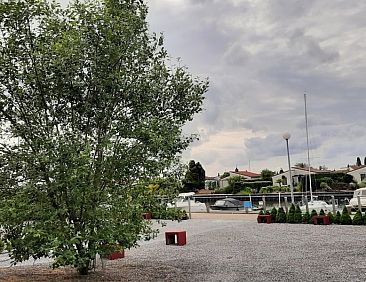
90, 110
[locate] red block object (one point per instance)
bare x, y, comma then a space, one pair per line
146, 215
116, 255
264, 218
175, 238
320, 218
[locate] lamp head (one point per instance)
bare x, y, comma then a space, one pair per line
286, 136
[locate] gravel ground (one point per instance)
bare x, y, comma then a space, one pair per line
231, 250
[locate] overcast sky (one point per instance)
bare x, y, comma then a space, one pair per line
261, 57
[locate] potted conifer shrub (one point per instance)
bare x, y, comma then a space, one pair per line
291, 214
298, 214
337, 218
273, 214
357, 219
281, 216
345, 217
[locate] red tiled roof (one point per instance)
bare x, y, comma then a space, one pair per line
246, 173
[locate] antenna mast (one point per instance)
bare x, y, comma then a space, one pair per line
307, 143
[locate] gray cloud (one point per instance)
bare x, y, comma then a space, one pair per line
261, 56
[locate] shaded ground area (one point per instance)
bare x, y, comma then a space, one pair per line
236, 249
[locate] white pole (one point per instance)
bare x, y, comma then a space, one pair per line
287, 136
279, 199
307, 143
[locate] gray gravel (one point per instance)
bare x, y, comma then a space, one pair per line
236, 250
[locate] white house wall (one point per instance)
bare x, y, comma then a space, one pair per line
358, 174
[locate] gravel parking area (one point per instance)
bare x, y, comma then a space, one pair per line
237, 249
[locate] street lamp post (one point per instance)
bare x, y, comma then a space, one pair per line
287, 136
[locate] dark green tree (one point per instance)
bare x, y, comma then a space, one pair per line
236, 183
306, 218
194, 178
321, 212
281, 216
331, 217
345, 217
298, 214
273, 214
266, 174
358, 161
337, 218
291, 214
225, 174
357, 218
91, 110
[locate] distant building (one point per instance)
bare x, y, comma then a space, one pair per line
358, 172
297, 174
243, 173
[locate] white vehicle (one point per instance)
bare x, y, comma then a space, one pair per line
317, 205
181, 202
354, 201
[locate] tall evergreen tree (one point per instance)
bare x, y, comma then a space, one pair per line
194, 178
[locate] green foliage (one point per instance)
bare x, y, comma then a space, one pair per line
91, 110
281, 216
337, 218
291, 214
274, 189
261, 212
236, 183
266, 174
357, 218
2, 245
273, 214
331, 217
245, 191
345, 217
194, 178
306, 218
225, 174
298, 214
321, 212
313, 213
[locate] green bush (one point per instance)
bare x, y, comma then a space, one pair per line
261, 212
291, 214
313, 213
345, 217
298, 214
331, 217
2, 245
281, 216
321, 212
306, 218
245, 191
357, 219
337, 218
267, 212
273, 214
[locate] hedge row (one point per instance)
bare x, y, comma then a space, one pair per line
295, 215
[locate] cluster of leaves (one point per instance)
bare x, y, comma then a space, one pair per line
90, 112
273, 189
